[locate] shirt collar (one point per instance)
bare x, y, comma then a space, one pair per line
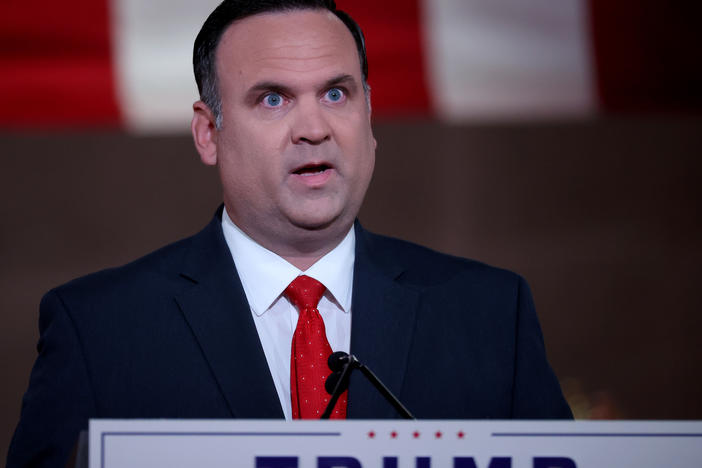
264, 274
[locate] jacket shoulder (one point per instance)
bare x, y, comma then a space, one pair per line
158, 267
423, 266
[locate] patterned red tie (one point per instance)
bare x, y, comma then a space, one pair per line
310, 350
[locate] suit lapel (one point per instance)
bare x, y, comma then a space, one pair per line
214, 305
216, 309
382, 326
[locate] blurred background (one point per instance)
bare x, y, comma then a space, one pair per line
561, 140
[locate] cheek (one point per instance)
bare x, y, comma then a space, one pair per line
254, 147
238, 168
353, 127
364, 147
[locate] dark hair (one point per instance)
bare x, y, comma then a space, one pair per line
230, 11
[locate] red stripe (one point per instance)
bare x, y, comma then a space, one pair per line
394, 41
55, 64
648, 54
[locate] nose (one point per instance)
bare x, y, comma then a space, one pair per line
310, 124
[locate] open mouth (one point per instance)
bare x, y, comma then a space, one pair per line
312, 169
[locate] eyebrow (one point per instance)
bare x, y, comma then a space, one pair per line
342, 79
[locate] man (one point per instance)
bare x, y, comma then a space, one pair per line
205, 328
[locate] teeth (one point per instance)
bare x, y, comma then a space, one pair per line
310, 171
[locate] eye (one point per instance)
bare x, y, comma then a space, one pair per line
272, 100
335, 95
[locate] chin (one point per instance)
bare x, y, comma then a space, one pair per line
314, 224
329, 222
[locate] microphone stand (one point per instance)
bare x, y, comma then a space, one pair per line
341, 385
399, 407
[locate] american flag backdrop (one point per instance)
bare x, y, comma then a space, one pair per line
556, 138
126, 63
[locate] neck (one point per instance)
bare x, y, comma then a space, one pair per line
308, 248
302, 263
299, 246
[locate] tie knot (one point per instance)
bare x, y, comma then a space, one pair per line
304, 292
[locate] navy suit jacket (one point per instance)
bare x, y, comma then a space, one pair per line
171, 336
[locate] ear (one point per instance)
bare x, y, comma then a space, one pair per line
204, 131
370, 120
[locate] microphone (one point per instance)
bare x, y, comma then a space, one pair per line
337, 360
341, 364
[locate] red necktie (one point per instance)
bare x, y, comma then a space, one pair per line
310, 350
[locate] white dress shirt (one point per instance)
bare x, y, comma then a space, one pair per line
265, 275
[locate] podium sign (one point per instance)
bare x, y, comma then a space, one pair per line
393, 444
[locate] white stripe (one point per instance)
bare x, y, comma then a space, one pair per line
152, 45
509, 59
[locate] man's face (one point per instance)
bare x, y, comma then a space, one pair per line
295, 151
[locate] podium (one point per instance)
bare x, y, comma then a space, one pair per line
393, 444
